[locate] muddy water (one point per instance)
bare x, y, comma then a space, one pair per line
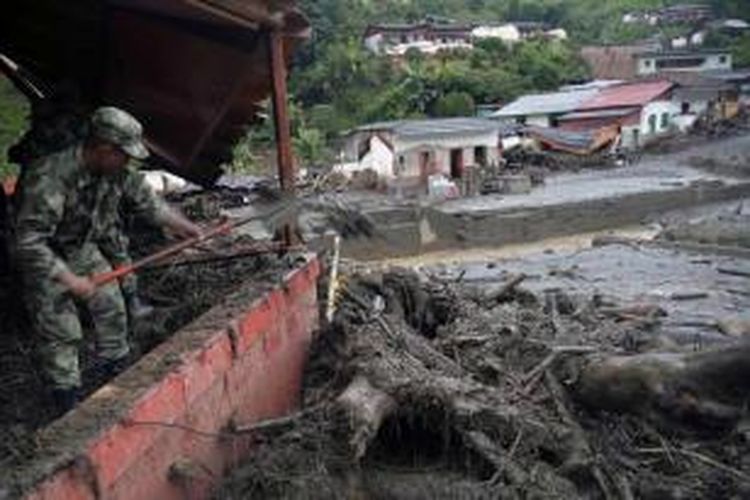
515, 251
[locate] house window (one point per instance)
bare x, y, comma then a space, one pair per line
647, 63
652, 124
685, 108
722, 59
664, 120
403, 39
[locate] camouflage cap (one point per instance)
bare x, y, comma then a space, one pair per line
120, 128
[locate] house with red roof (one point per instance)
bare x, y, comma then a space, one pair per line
642, 110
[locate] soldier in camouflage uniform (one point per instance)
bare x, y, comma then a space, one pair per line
67, 205
58, 123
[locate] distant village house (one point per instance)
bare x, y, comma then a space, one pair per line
643, 111
640, 111
674, 14
631, 61
413, 150
651, 63
430, 37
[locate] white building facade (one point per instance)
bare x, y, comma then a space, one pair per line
417, 149
651, 63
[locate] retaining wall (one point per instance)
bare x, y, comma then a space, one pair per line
163, 429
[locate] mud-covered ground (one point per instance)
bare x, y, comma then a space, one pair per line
726, 224
481, 367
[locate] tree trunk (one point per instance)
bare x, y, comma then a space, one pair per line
705, 388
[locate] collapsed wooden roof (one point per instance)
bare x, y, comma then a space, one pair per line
193, 71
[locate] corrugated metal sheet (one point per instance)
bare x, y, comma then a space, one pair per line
193, 71
627, 95
574, 142
438, 127
544, 104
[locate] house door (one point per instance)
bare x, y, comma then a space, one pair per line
457, 163
424, 165
480, 156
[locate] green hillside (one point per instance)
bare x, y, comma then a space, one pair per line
13, 111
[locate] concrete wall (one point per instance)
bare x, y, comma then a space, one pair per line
408, 231
657, 109
508, 33
140, 436
408, 151
538, 120
380, 159
649, 65
374, 43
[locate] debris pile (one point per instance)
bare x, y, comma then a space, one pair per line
427, 388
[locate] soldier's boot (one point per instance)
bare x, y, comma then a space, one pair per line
104, 370
109, 369
65, 400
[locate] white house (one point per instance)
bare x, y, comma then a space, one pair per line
557, 33
426, 37
416, 149
508, 33
642, 111
651, 63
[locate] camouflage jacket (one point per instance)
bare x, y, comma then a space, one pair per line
63, 206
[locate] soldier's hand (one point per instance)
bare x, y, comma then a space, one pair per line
180, 226
187, 229
79, 286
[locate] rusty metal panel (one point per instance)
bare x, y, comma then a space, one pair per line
193, 71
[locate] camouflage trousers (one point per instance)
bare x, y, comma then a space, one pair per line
55, 317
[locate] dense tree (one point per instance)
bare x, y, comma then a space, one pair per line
454, 104
13, 111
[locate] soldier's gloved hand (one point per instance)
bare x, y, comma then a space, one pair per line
80, 286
